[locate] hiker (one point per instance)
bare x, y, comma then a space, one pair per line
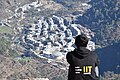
83, 62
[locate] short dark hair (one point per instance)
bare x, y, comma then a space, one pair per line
81, 41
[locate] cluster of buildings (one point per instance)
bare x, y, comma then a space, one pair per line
51, 37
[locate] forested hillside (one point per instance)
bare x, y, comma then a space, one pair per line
104, 19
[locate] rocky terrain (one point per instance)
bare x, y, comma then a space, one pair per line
29, 69
35, 35
26, 21
52, 6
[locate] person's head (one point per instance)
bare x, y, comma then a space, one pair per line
81, 41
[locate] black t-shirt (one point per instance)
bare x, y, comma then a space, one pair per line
82, 64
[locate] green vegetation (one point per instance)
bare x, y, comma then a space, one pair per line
24, 59
4, 45
58, 78
5, 29
5, 48
104, 19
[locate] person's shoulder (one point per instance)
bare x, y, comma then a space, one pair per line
91, 52
70, 53
94, 54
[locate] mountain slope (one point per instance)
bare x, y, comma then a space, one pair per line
12, 68
109, 58
104, 19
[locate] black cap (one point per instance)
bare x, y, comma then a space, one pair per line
81, 41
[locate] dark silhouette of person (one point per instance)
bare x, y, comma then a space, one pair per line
83, 62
